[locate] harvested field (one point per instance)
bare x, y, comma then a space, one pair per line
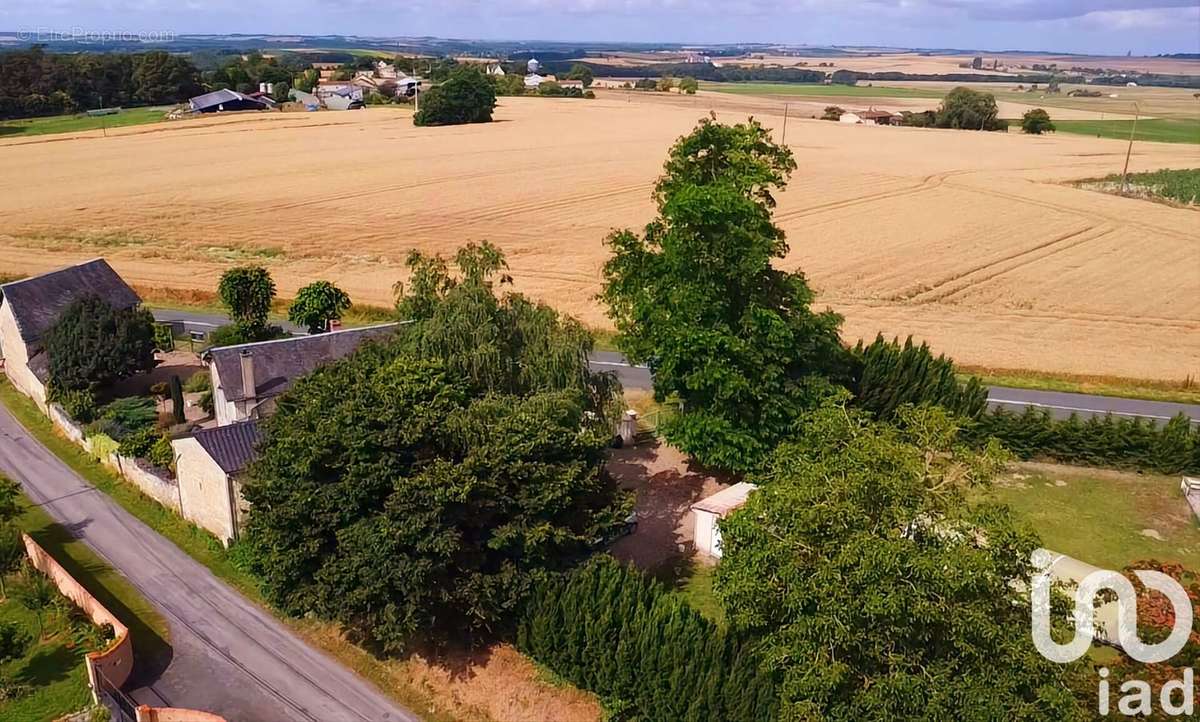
971, 241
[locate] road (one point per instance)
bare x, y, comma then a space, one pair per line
1060, 405
228, 655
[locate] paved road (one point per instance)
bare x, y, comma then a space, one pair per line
1060, 405
229, 656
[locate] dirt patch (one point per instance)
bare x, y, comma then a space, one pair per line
667, 483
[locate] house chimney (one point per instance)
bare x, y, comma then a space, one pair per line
249, 389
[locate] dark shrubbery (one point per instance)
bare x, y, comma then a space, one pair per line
92, 345
643, 650
1100, 441
892, 375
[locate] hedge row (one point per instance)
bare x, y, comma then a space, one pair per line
645, 652
891, 375
1171, 448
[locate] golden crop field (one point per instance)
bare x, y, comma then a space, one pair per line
971, 241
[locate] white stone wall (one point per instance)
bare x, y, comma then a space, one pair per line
16, 358
204, 489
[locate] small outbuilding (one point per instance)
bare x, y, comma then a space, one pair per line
710, 511
225, 100
209, 465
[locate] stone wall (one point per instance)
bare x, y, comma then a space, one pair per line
116, 662
164, 490
203, 489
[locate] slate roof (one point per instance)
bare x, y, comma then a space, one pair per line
37, 302
217, 97
232, 446
277, 364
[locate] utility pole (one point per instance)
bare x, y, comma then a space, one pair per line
1129, 151
785, 119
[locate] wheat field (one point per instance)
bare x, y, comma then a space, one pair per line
971, 241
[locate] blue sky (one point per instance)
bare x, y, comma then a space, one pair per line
1093, 26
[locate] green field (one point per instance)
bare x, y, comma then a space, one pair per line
1181, 186
1103, 517
1160, 130
822, 91
78, 123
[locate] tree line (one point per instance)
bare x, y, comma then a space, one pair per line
35, 83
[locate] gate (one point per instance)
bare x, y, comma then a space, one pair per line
118, 703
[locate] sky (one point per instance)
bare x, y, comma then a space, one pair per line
1109, 27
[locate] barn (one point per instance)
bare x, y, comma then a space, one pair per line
226, 101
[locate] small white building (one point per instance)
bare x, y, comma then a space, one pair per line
533, 80
852, 118
495, 70
710, 511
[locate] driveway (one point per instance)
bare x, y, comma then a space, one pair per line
228, 655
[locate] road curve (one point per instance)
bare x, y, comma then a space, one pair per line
228, 655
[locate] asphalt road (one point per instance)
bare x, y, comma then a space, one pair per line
1060, 405
228, 655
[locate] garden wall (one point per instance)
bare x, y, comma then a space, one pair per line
116, 662
165, 491
174, 714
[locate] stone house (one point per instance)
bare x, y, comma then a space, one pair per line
31, 306
208, 465
247, 378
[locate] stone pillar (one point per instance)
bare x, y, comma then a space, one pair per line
628, 428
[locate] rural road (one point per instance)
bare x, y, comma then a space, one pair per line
228, 655
1060, 405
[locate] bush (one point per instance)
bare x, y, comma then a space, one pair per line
198, 382
612, 630
1036, 122
80, 404
968, 109
891, 375
92, 344
467, 97
1173, 448
149, 444
132, 413
234, 334
832, 112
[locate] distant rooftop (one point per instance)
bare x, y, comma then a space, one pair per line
37, 302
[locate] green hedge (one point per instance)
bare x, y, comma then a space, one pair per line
891, 375
1171, 448
650, 657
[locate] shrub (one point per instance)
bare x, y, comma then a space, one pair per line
92, 344
234, 334
132, 413
151, 445
80, 404
1100, 441
13, 641
832, 112
1036, 122
161, 389
198, 382
892, 375
612, 630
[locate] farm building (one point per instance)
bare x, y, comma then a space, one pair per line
571, 84
710, 511
495, 70
878, 117
247, 378
209, 464
339, 95
30, 307
226, 100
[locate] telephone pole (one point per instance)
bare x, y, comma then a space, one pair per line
783, 141
1129, 151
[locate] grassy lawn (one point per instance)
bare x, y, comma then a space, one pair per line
55, 669
1185, 391
77, 123
822, 91
52, 668
1098, 516
1160, 130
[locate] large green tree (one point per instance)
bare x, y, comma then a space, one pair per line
92, 345
420, 487
881, 592
247, 293
317, 304
968, 109
1036, 122
697, 298
467, 96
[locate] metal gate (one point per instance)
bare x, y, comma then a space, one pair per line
118, 703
